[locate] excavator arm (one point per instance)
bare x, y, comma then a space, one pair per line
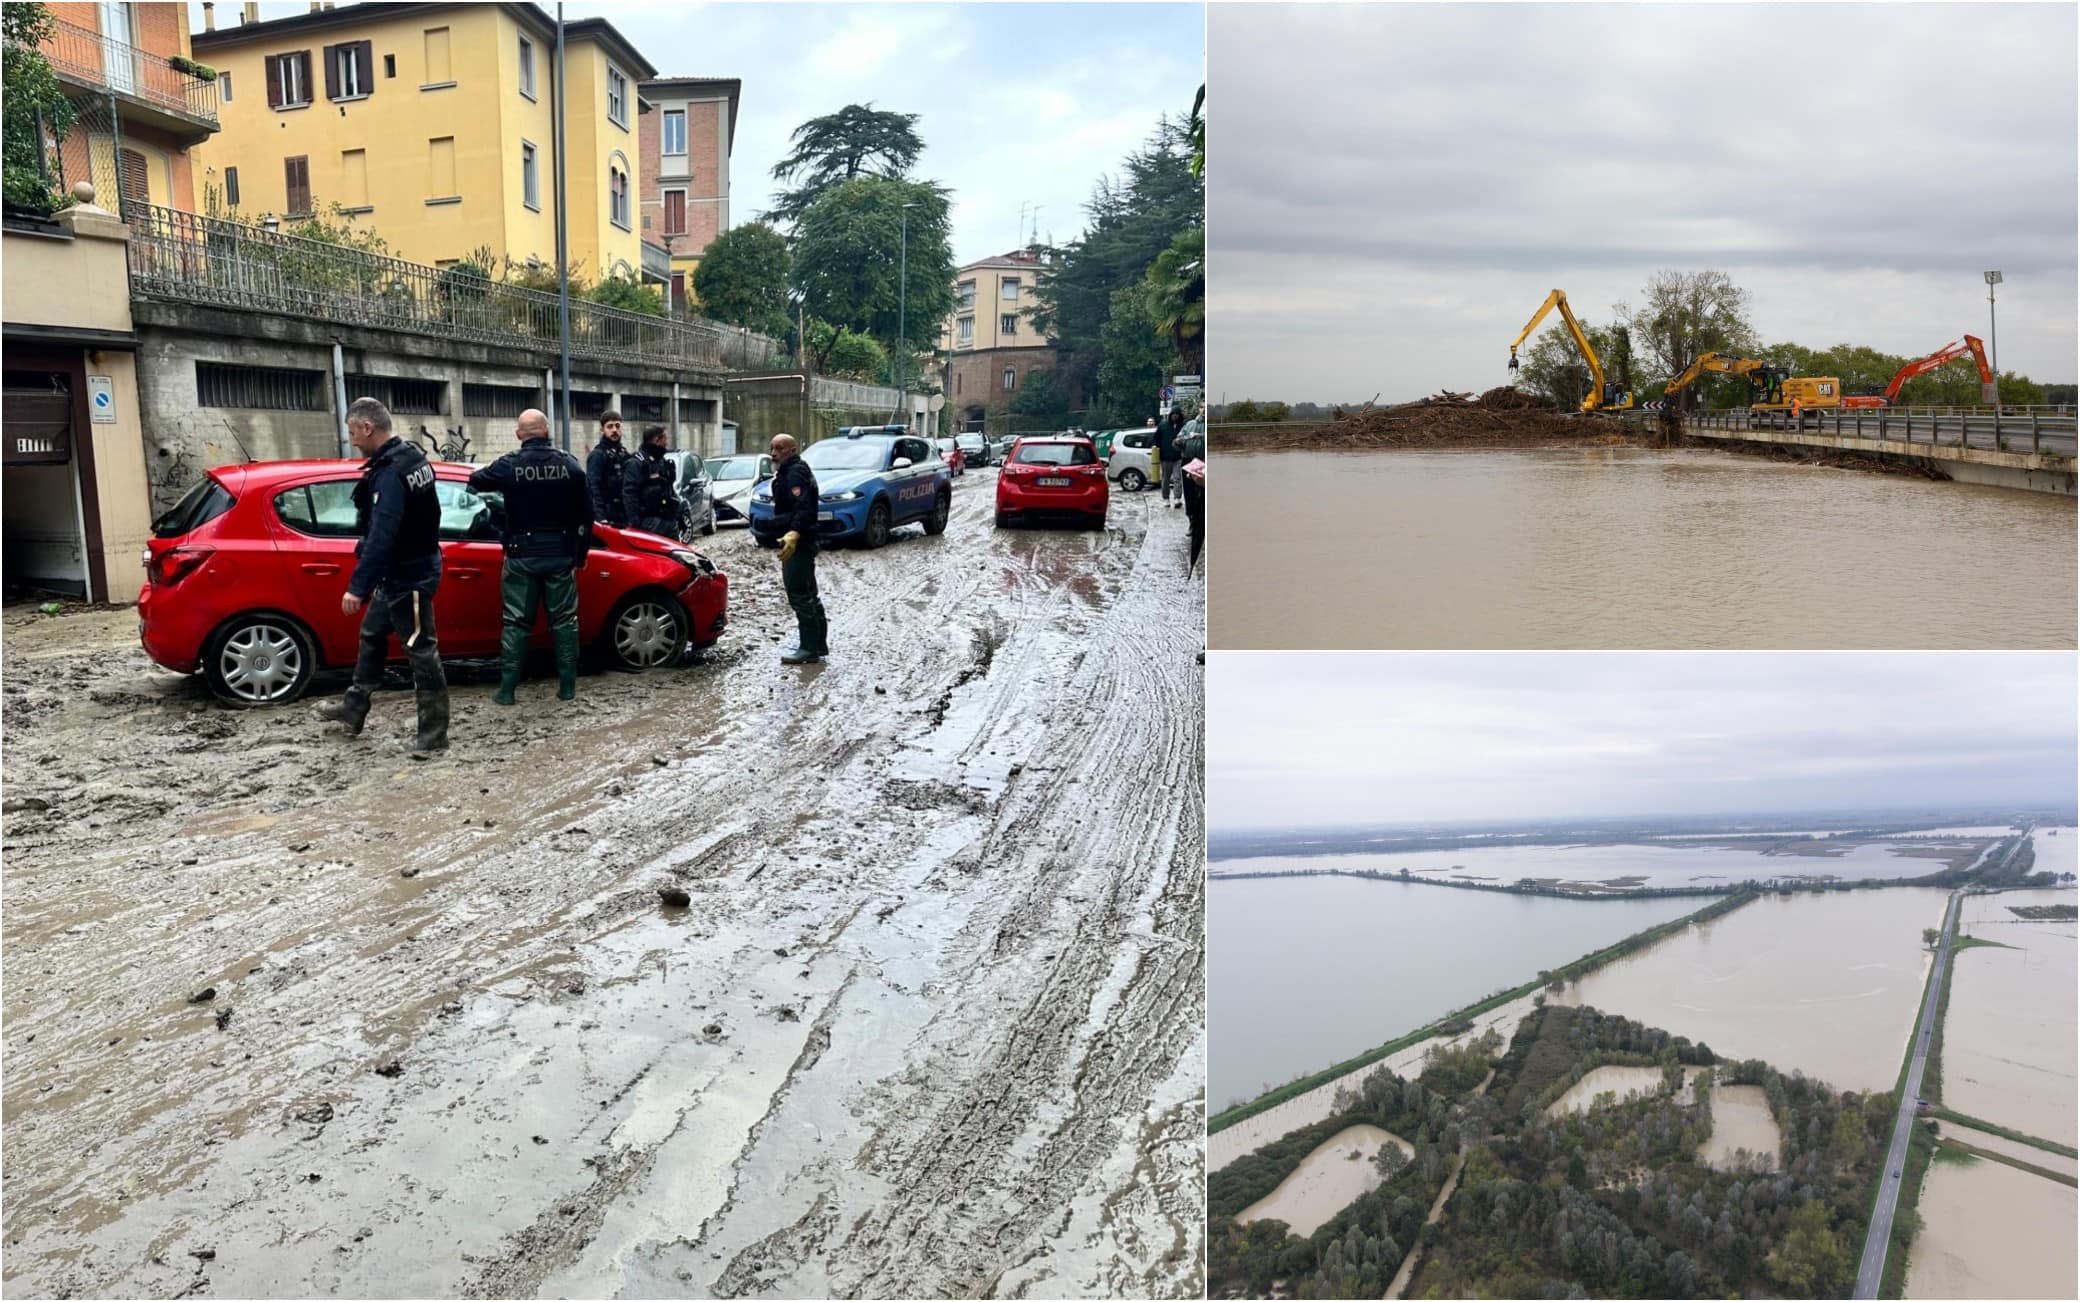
1939, 358
1602, 393
1764, 377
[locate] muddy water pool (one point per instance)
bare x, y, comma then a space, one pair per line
1329, 1179
1822, 983
1630, 547
1741, 1124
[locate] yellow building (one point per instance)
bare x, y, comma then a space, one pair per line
431, 124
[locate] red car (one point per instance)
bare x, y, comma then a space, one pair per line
951, 454
244, 576
1057, 477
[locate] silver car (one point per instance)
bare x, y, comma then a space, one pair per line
730, 483
698, 514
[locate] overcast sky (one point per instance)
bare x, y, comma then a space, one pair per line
1393, 189
1017, 104
1330, 738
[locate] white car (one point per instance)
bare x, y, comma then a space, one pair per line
730, 482
1132, 466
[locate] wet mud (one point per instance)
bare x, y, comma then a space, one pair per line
929, 1022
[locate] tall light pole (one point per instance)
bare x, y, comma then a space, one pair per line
563, 262
1993, 334
903, 319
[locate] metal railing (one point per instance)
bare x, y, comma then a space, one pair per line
83, 55
2037, 430
189, 258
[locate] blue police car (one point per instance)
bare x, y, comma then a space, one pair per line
872, 478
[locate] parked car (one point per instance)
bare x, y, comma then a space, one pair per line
870, 483
697, 516
1131, 462
950, 453
731, 481
1057, 476
974, 449
243, 579
1000, 450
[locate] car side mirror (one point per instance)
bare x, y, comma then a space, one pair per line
900, 463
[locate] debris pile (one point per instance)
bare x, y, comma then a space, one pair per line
1504, 417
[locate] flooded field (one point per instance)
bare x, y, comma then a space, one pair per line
1625, 547
1991, 1231
1695, 862
1824, 983
1620, 1082
1743, 1131
1306, 972
1329, 1179
925, 1026
2011, 1038
2057, 849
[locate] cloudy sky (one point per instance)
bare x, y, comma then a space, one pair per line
1331, 738
1018, 104
1394, 189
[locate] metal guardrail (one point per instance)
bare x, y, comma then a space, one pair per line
84, 55
2032, 430
189, 258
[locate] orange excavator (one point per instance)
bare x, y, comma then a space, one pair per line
1948, 353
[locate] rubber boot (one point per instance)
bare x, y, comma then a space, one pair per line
512, 662
433, 723
566, 664
350, 710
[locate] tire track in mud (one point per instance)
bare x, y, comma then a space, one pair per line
529, 930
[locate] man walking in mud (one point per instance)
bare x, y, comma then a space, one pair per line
548, 530
603, 470
794, 510
396, 572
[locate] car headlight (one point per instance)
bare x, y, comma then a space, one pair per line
693, 561
850, 495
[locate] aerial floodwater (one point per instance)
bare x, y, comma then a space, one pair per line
1824, 983
1305, 972
1632, 547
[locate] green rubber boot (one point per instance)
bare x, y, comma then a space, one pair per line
566, 664
512, 661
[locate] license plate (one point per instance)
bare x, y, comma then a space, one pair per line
1053, 481
825, 515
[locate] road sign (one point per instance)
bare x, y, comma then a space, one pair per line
101, 399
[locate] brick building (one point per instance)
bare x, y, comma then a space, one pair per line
686, 138
989, 341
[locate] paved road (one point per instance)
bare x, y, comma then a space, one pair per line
1870, 1272
2056, 439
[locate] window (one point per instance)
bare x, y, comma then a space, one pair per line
224, 87
296, 175
1007, 324
507, 400
530, 177
617, 195
1007, 289
617, 97
527, 67
675, 131
965, 330
1055, 454
956, 384
1010, 379
267, 388
349, 70
323, 510
439, 72
675, 212
678, 294
404, 397
464, 515
964, 296
917, 450
289, 80
643, 411
133, 179
440, 167
231, 186
389, 65
353, 178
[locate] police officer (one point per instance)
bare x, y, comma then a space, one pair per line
548, 530
794, 510
396, 573
603, 470
649, 496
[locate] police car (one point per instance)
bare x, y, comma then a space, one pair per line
872, 478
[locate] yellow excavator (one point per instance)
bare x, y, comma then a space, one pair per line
1767, 380
1604, 394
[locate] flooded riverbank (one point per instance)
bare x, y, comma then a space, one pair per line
2011, 1051
1825, 983
1625, 547
1328, 1180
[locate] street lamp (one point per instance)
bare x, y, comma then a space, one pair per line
903, 319
1993, 335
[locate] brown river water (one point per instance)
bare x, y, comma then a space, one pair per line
1627, 547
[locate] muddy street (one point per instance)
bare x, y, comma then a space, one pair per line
933, 1023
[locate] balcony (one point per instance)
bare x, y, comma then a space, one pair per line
152, 90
